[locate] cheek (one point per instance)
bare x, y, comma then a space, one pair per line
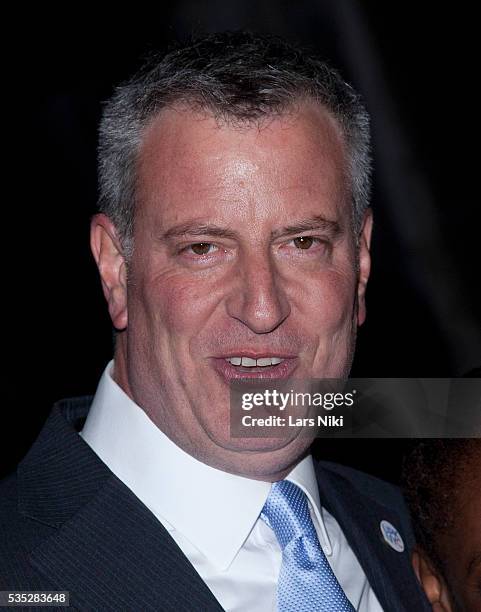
330, 301
175, 305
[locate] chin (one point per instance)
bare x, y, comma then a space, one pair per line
267, 459
255, 445
222, 437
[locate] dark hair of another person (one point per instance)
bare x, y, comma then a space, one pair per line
435, 474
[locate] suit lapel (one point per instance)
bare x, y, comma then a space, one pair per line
108, 550
389, 572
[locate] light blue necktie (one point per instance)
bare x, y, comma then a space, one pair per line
306, 580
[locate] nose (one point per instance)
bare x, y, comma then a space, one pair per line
258, 299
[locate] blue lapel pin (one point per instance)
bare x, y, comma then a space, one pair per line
392, 536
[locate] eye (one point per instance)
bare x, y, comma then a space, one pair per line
307, 243
306, 247
304, 242
201, 248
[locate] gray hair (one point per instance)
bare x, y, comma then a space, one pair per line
239, 77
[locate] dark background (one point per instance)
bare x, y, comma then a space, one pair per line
416, 67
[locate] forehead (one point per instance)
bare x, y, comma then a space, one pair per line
190, 161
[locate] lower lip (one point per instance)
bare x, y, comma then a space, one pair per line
282, 371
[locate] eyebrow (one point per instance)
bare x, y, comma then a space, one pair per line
315, 223
318, 222
198, 229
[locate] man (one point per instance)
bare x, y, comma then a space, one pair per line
443, 484
233, 242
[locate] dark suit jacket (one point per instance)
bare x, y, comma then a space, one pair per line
67, 523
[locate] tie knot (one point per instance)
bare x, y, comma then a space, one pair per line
287, 513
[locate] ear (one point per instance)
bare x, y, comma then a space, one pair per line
432, 582
108, 255
364, 265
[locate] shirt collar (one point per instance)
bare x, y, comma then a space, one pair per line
304, 476
213, 509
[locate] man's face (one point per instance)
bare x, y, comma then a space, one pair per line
243, 248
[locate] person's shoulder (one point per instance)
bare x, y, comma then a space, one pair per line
21, 527
381, 491
14, 536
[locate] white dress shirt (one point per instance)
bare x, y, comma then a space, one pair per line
213, 515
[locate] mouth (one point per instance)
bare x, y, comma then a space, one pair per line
269, 367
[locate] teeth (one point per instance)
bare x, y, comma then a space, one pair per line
264, 361
251, 363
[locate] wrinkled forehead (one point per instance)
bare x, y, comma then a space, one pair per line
188, 158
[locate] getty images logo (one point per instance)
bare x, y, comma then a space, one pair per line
278, 399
